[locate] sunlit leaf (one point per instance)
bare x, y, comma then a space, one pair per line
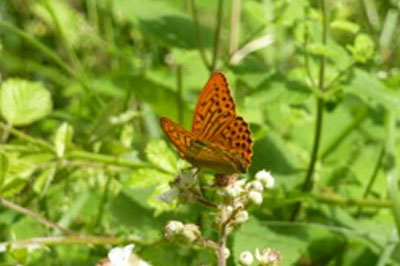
160, 155
63, 138
23, 102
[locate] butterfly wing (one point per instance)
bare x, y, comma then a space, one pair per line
215, 108
180, 137
215, 119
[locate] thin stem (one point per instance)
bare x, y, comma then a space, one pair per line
344, 133
217, 35
223, 236
37, 142
309, 182
222, 247
340, 74
35, 216
198, 35
235, 26
391, 166
372, 178
307, 59
60, 240
77, 154
52, 55
179, 99
71, 53
103, 201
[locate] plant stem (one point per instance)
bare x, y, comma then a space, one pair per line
77, 154
372, 178
52, 55
198, 35
235, 26
56, 240
309, 182
391, 166
345, 132
35, 216
179, 100
217, 36
37, 142
222, 247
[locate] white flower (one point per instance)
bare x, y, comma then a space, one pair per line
191, 232
267, 257
246, 258
241, 216
122, 256
173, 228
255, 197
227, 253
265, 178
255, 185
236, 188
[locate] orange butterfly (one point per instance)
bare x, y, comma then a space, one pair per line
219, 140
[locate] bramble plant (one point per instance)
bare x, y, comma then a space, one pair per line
88, 177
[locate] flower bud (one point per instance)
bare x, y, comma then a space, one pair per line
242, 216
268, 257
255, 185
173, 228
191, 232
246, 258
265, 178
235, 189
255, 197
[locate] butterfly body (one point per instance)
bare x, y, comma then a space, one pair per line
219, 140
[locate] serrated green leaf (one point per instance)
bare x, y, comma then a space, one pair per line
160, 155
3, 168
63, 138
363, 48
23, 102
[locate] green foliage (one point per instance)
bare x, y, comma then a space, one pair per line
83, 85
23, 102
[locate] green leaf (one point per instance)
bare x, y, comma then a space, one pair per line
23, 102
345, 25
372, 91
146, 177
13, 187
3, 168
160, 155
19, 255
363, 48
63, 138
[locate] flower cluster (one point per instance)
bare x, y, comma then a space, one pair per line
251, 191
266, 257
185, 233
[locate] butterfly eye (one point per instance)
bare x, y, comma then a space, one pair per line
224, 99
227, 105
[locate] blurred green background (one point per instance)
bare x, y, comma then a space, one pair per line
84, 82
